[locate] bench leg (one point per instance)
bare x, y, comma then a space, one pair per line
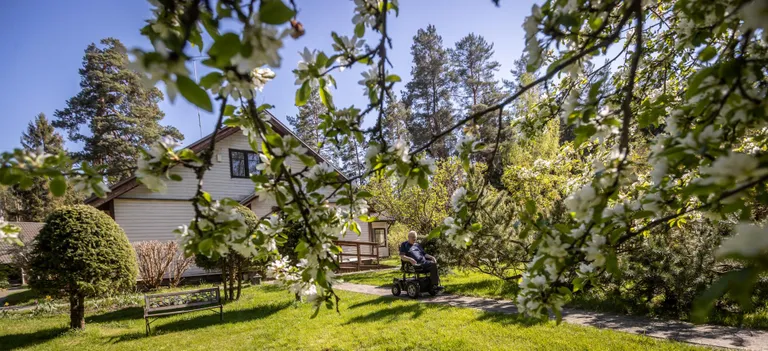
146, 321
221, 313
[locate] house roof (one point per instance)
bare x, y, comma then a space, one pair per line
130, 183
28, 233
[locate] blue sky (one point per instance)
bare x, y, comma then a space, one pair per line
44, 43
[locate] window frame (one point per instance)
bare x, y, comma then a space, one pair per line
245, 160
375, 236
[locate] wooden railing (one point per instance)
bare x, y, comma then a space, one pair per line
358, 254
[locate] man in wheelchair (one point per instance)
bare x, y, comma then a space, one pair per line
416, 261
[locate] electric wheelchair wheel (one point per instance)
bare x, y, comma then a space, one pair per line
433, 291
413, 289
396, 289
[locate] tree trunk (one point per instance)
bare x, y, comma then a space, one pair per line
224, 279
231, 282
239, 277
77, 311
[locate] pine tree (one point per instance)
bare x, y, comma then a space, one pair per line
352, 158
114, 114
428, 93
34, 203
306, 123
395, 123
42, 137
474, 70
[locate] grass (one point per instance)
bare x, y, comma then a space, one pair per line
469, 283
266, 319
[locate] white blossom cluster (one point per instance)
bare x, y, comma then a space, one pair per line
9, 233
749, 241
154, 166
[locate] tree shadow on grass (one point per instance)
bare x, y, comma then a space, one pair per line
17, 341
130, 313
509, 319
391, 313
498, 288
206, 320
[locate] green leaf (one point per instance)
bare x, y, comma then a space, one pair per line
434, 233
707, 53
325, 97
58, 185
359, 30
225, 47
210, 79
275, 12
423, 182
274, 139
302, 95
578, 283
729, 281
596, 23
175, 177
205, 246
393, 78
194, 93
229, 110
207, 197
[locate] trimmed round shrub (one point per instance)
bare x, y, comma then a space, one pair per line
81, 252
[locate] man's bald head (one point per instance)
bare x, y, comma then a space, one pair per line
412, 235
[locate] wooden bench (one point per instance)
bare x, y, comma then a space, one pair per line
158, 305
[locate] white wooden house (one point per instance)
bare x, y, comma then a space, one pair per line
145, 215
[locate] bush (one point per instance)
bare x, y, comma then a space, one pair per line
154, 259
157, 260
398, 233
234, 264
81, 252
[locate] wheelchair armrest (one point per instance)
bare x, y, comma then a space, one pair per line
408, 267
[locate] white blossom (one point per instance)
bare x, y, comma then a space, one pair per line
370, 155
87, 186
319, 170
260, 77
749, 241
554, 247
585, 268
582, 201
734, 166
467, 143
147, 176
9, 233
457, 199
365, 12
593, 252
370, 78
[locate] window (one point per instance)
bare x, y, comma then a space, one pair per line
242, 163
380, 235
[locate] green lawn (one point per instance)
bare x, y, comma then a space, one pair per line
266, 319
470, 283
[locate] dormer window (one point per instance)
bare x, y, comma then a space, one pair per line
242, 163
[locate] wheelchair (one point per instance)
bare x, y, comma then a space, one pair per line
414, 282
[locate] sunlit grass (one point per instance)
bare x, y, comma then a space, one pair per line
267, 319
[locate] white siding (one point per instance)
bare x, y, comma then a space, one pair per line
217, 181
144, 220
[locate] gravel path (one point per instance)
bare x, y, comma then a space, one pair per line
708, 335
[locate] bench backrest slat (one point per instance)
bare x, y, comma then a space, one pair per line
181, 300
187, 292
177, 307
